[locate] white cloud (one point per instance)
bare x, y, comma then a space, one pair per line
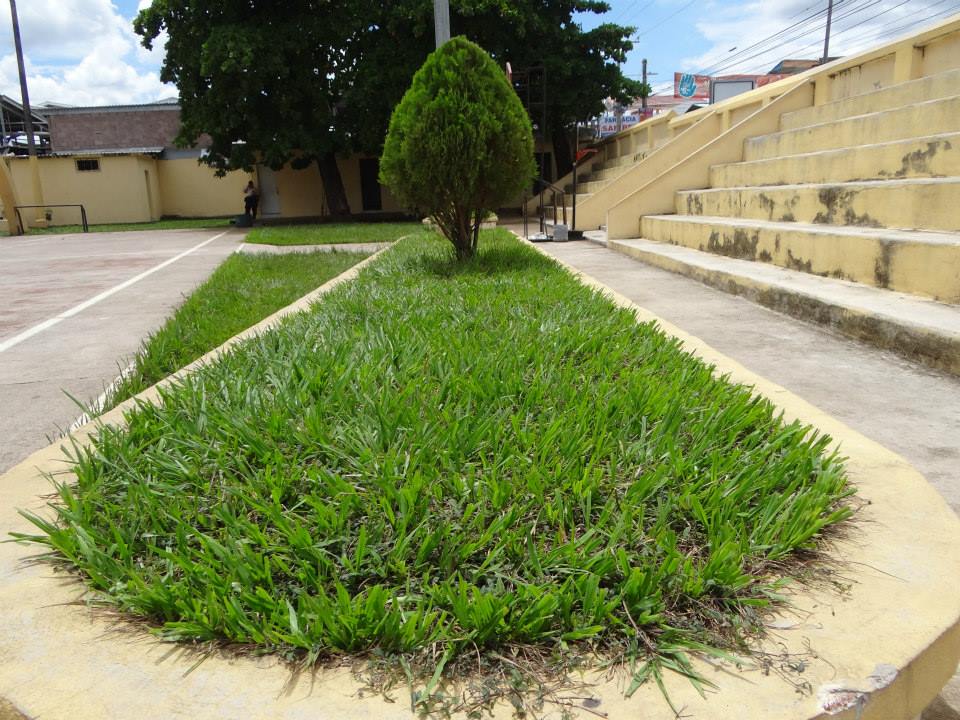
80, 53
858, 25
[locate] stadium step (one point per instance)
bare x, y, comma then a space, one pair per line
927, 203
929, 156
922, 330
882, 258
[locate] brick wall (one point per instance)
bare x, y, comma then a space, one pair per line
113, 129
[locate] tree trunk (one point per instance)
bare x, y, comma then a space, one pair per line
333, 185
561, 150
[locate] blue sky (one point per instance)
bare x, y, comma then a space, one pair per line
84, 52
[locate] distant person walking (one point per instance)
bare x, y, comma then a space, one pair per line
251, 199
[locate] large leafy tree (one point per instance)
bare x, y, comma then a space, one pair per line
303, 80
261, 79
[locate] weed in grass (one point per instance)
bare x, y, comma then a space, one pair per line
243, 290
479, 470
332, 233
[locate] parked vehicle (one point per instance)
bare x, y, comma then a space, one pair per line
16, 144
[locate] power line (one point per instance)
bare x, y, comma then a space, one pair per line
851, 10
764, 41
889, 32
668, 17
624, 11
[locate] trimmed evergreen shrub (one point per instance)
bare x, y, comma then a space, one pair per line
460, 143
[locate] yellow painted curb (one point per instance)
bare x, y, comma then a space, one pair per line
879, 649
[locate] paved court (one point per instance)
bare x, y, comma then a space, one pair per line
74, 309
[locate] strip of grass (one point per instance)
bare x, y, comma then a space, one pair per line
243, 290
331, 233
448, 462
171, 224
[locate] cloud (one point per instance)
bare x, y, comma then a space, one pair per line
80, 53
739, 34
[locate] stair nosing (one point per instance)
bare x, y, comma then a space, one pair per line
937, 237
945, 180
809, 285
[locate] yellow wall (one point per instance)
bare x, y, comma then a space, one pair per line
189, 189
117, 192
139, 188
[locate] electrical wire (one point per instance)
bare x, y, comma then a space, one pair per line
888, 32
668, 17
779, 49
625, 10
774, 38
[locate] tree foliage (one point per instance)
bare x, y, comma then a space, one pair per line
460, 142
304, 80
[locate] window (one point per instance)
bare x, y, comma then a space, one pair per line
88, 165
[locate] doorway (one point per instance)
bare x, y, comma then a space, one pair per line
269, 194
370, 193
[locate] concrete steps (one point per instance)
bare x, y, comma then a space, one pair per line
923, 330
942, 85
933, 117
929, 156
918, 262
928, 203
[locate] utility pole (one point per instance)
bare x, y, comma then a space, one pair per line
27, 120
643, 100
826, 40
441, 19
27, 115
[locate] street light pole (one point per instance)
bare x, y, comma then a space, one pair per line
826, 40
27, 114
441, 19
40, 220
643, 99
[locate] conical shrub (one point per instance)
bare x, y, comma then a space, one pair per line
460, 143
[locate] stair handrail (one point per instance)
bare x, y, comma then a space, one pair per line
545, 185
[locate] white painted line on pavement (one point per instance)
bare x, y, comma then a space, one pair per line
29, 333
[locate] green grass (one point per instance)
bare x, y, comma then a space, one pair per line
331, 233
171, 224
445, 465
243, 290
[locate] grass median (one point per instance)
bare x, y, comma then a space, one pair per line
446, 465
332, 233
242, 291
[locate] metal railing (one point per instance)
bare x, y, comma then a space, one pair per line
555, 195
83, 213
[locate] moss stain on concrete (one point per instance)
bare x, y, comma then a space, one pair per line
742, 245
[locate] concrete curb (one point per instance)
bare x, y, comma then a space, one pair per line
879, 650
914, 341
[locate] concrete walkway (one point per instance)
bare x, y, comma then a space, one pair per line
74, 309
906, 407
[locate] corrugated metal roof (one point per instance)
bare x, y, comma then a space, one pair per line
108, 151
111, 108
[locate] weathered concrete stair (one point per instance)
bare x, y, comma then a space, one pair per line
848, 216
928, 156
918, 262
924, 330
941, 85
941, 115
929, 203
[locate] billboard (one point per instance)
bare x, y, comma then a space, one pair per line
696, 88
